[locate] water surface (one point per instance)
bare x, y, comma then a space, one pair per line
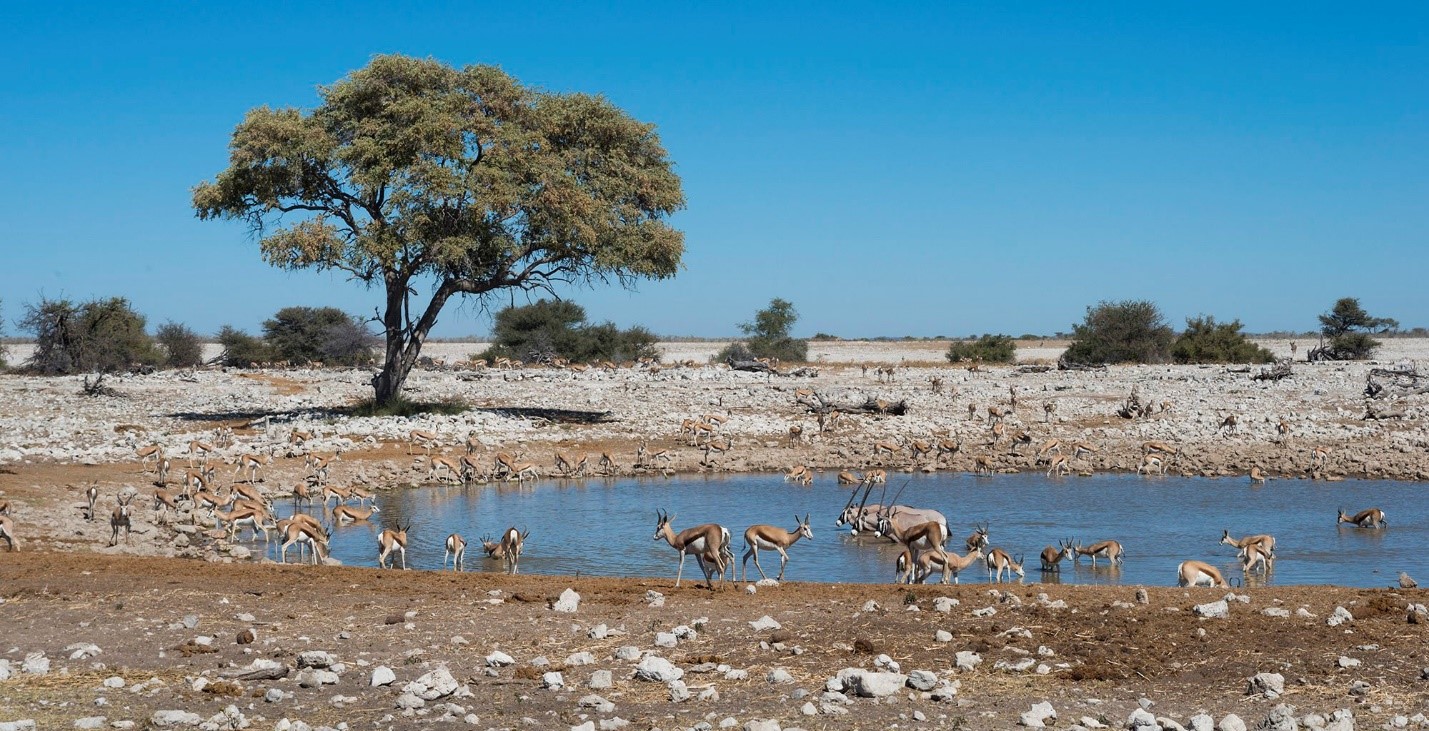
605, 527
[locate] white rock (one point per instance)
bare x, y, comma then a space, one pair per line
657, 669
598, 632
945, 604
1339, 617
779, 676
1212, 610
764, 623
599, 704
1270, 685
164, 719
114, 681
1037, 716
1275, 612
762, 725
82, 650
628, 652
943, 635
409, 701
600, 680
553, 681
1347, 662
1203, 722
922, 680
315, 659
314, 678
498, 659
654, 598
383, 675
967, 661
90, 722
1141, 719
879, 685
568, 602
870, 606
36, 664
666, 639
577, 659
438, 684
985, 612
679, 692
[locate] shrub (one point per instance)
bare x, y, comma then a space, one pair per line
548, 329
182, 346
768, 336
1131, 331
326, 334
1347, 326
987, 349
241, 350
100, 335
1208, 341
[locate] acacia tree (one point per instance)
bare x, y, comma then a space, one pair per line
419, 177
1130, 331
1347, 325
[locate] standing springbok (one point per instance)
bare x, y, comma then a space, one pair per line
1252, 555
91, 494
1196, 573
1052, 557
512, 542
707, 542
979, 537
773, 538
1265, 541
1371, 518
392, 540
456, 551
999, 561
120, 519
1109, 550
925, 537
7, 532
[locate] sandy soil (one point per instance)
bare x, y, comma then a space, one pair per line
65, 587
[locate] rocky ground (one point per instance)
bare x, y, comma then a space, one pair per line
128, 638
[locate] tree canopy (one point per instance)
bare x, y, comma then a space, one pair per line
416, 176
1208, 341
548, 329
1348, 325
1130, 331
768, 335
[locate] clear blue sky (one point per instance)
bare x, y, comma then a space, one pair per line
891, 169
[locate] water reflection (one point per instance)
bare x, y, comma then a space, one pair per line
602, 526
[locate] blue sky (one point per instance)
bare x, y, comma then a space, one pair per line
891, 169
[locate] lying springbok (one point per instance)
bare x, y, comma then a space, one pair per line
1197, 573
707, 542
911, 571
1109, 550
1052, 557
999, 561
1371, 518
773, 538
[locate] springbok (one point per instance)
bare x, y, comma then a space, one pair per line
773, 538
999, 561
512, 542
1371, 518
7, 532
420, 438
344, 514
456, 551
707, 542
1109, 550
1264, 541
1060, 465
1052, 557
1256, 476
1253, 555
119, 519
911, 571
91, 494
799, 474
392, 540
1197, 573
979, 537
848, 478
303, 532
919, 539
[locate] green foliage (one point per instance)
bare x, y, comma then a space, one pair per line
463, 179
987, 349
1130, 331
548, 329
823, 336
326, 334
403, 407
768, 336
1347, 325
241, 350
1208, 341
182, 346
100, 335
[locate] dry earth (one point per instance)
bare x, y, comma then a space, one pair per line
63, 589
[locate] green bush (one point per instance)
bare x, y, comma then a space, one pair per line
1131, 331
768, 336
548, 329
986, 349
182, 346
307, 334
100, 335
1347, 326
1208, 341
241, 350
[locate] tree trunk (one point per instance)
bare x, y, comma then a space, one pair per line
404, 346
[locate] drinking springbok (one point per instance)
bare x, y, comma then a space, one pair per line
911, 571
999, 561
707, 542
1109, 550
773, 538
1197, 573
389, 541
1370, 518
